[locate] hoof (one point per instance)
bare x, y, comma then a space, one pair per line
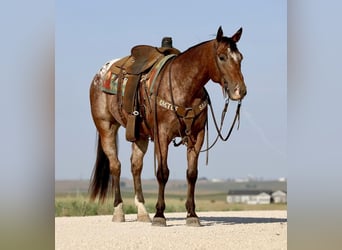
143, 218
142, 214
118, 218
118, 215
193, 222
159, 222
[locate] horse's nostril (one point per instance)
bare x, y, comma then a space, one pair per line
242, 90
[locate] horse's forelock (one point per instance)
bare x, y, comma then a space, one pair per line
230, 43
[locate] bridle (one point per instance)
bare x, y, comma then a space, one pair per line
218, 128
224, 85
190, 115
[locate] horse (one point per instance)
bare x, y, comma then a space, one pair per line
175, 106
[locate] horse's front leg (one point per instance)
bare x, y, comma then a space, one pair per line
162, 177
191, 175
139, 149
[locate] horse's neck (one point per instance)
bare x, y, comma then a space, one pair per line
191, 71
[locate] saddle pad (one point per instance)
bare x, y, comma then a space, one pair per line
104, 69
110, 85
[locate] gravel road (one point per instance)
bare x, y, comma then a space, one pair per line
219, 230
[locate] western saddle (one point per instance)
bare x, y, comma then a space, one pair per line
128, 71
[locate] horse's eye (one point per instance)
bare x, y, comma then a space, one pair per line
222, 57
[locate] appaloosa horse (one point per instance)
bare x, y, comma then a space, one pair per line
174, 105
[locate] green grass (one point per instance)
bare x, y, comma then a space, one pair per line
79, 205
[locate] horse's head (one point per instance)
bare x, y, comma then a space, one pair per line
228, 59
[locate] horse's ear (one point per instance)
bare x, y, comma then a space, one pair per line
237, 35
219, 34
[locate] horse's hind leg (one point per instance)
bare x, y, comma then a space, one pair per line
139, 149
108, 134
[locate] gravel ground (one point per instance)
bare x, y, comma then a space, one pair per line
219, 230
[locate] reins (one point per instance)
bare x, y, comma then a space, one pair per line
219, 129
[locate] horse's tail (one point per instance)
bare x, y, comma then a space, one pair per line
101, 176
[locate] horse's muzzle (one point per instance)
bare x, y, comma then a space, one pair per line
238, 93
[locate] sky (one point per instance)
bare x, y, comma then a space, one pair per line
88, 34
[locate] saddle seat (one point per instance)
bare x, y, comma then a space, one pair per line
142, 58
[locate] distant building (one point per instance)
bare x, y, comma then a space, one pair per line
216, 180
256, 196
279, 197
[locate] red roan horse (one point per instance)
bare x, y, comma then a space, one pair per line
176, 107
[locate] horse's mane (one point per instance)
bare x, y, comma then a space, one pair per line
193, 47
225, 39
